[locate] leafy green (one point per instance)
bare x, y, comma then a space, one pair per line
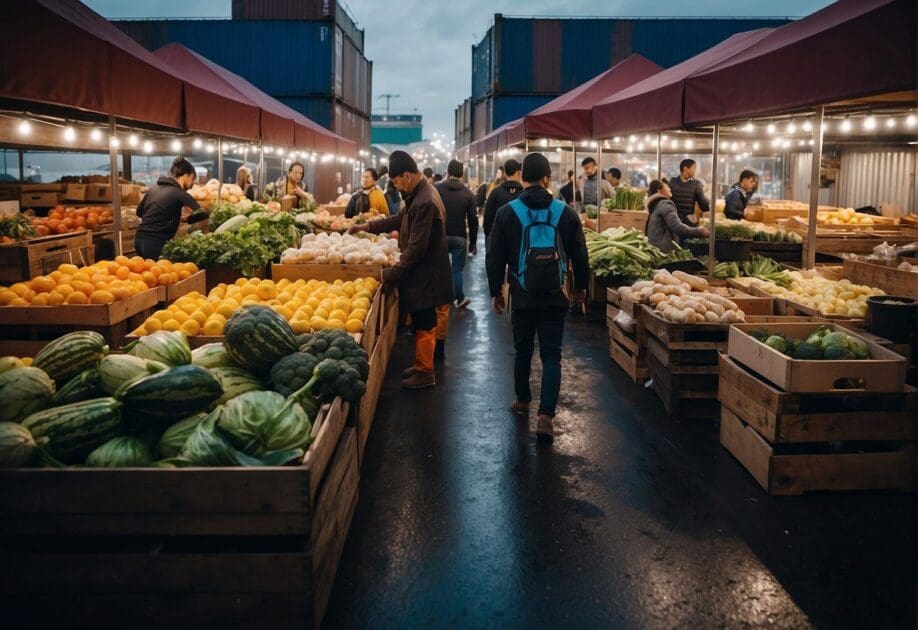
261, 422
592, 211
625, 199
18, 227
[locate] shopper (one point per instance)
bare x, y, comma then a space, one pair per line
422, 273
437, 178
687, 191
428, 175
164, 206
567, 192
499, 178
665, 229
393, 198
614, 177
383, 181
481, 196
537, 296
244, 181
369, 198
503, 194
736, 200
461, 225
593, 187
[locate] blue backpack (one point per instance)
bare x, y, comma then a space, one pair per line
542, 265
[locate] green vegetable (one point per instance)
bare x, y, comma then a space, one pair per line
859, 348
164, 346
67, 356
332, 377
83, 386
621, 252
834, 339
23, 391
117, 369
723, 270
256, 337
261, 422
765, 269
173, 439
235, 381
232, 224
837, 353
174, 393
808, 352
625, 199
74, 430
16, 445
777, 342
591, 211
211, 355
336, 344
121, 452
18, 227
292, 373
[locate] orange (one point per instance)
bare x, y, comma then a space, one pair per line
199, 316
20, 288
68, 268
120, 293
191, 327
122, 260
172, 325
184, 274
6, 296
83, 287
112, 268
41, 299
148, 278
181, 316
42, 284
152, 324
64, 289
55, 298
81, 276
148, 264
135, 277
123, 273
101, 297
226, 309
18, 302
76, 298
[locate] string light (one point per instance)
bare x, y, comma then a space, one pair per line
69, 133
749, 127
791, 127
675, 143
776, 142
210, 148
770, 129
910, 120
689, 143
617, 139
755, 146
870, 123
24, 128
734, 147
786, 144
197, 143
176, 146
147, 147
133, 140
95, 135
807, 126
846, 125
890, 123
114, 142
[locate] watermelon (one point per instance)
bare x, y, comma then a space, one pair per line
83, 386
124, 451
173, 439
256, 337
211, 355
67, 356
16, 445
117, 369
174, 393
23, 391
235, 381
74, 430
164, 346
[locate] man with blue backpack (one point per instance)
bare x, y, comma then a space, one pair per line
532, 242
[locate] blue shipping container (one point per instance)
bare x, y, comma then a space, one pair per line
507, 108
481, 67
586, 50
279, 57
317, 109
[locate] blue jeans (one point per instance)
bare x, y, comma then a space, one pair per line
457, 253
548, 322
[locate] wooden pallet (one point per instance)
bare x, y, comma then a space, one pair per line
186, 547
25, 260
794, 443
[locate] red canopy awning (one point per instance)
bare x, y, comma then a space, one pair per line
60, 52
655, 103
849, 49
569, 116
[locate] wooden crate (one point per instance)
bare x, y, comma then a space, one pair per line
794, 443
221, 274
622, 218
883, 372
187, 547
628, 350
781, 252
328, 273
34, 257
379, 364
195, 282
687, 392
788, 307
104, 242
893, 281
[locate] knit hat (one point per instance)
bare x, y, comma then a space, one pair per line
535, 167
401, 163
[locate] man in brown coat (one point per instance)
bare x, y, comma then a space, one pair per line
422, 275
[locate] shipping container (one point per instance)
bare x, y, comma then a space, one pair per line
328, 10
351, 125
481, 67
481, 118
507, 108
318, 109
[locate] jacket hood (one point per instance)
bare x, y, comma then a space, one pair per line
651, 202
536, 197
453, 184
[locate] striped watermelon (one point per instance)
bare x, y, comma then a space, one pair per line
256, 337
16, 445
23, 391
83, 386
211, 355
74, 430
174, 393
67, 356
169, 347
235, 381
124, 451
117, 369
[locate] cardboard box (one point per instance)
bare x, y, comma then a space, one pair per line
38, 199
9, 208
99, 192
75, 192
130, 194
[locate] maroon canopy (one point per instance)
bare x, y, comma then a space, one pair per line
569, 116
655, 103
60, 52
849, 49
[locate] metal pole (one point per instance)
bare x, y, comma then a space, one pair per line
574, 187
220, 169
814, 188
261, 169
659, 156
715, 137
116, 186
526, 146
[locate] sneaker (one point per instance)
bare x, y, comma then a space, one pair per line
545, 430
463, 302
519, 409
419, 380
408, 372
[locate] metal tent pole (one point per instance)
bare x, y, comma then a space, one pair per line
715, 137
575, 188
814, 188
116, 186
659, 155
220, 168
261, 169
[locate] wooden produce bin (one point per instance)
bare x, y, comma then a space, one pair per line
883, 372
379, 363
797, 442
195, 282
628, 350
188, 547
893, 281
35, 257
221, 274
104, 243
25, 330
327, 273
628, 219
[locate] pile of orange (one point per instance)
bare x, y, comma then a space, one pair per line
102, 283
61, 220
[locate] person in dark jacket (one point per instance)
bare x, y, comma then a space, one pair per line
687, 191
481, 196
461, 225
535, 313
736, 200
164, 206
422, 273
503, 194
663, 224
567, 192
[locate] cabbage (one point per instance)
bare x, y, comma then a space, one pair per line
834, 339
262, 422
858, 347
173, 439
776, 342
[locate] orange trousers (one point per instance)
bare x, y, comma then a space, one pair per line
443, 321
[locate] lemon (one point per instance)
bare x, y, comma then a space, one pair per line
318, 323
358, 314
152, 324
354, 325
213, 326
363, 303
336, 324
172, 325
191, 327
338, 313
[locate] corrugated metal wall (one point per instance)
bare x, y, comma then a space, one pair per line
586, 50
283, 9
351, 125
546, 66
316, 108
481, 119
507, 108
875, 177
481, 67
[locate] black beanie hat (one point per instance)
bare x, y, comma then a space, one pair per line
401, 163
535, 167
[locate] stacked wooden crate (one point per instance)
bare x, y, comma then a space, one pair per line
627, 348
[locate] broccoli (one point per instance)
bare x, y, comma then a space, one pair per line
340, 346
332, 378
291, 373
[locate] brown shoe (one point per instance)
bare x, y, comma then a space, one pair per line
419, 380
545, 430
408, 372
519, 409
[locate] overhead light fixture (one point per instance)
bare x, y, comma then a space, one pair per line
749, 127
870, 123
69, 133
95, 135
617, 139
210, 148
776, 142
811, 143
133, 140
910, 120
114, 142
632, 138
791, 127
890, 122
197, 143
176, 146
675, 143
24, 128
786, 144
558, 150
801, 143
734, 147
771, 129
755, 146
629, 149
807, 126
689, 144
147, 147
640, 146
846, 125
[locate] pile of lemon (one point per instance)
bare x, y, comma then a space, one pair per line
308, 306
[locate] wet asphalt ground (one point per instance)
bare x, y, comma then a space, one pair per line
630, 520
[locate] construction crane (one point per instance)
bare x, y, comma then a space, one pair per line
388, 98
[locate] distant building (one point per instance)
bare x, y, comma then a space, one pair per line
522, 63
396, 129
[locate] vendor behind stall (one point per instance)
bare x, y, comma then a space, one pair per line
292, 183
369, 198
735, 201
164, 206
665, 229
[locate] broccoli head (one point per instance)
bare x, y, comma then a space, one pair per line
332, 377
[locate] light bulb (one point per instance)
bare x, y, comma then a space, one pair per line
630, 149
210, 148
197, 143
734, 147
807, 126
632, 138
558, 149
114, 142
749, 127
910, 120
791, 127
786, 144
801, 143
675, 143
846, 125
69, 133
870, 123
770, 129
890, 123
755, 146
811, 143
24, 128
148, 147
133, 140
640, 146
312, 158
617, 139
176, 146
689, 144
95, 135
776, 142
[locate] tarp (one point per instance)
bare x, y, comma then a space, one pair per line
849, 49
569, 116
60, 52
655, 104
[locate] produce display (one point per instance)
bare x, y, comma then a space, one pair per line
130, 410
61, 220
823, 344
208, 193
334, 248
17, 228
829, 297
759, 267
683, 298
626, 253
308, 306
323, 220
591, 211
742, 230
847, 216
246, 244
104, 282
625, 199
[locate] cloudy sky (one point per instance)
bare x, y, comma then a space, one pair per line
421, 49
